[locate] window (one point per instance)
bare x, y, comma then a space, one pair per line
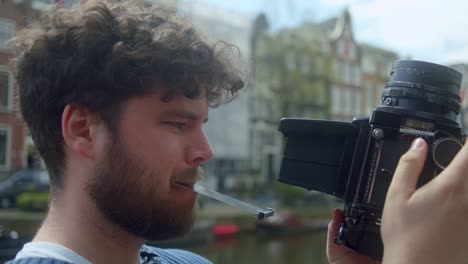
369, 97
368, 66
340, 49
6, 89
7, 30
347, 106
337, 70
347, 73
356, 75
336, 102
357, 103
352, 51
5, 142
268, 138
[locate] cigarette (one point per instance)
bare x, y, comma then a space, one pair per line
259, 212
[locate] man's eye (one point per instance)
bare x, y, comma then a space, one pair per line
178, 125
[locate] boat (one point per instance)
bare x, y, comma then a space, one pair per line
222, 231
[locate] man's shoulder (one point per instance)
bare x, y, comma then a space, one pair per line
37, 260
151, 254
174, 256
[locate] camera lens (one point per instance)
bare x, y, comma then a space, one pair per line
424, 90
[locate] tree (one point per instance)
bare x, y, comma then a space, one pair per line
296, 71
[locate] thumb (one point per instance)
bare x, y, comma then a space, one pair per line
408, 170
334, 226
334, 251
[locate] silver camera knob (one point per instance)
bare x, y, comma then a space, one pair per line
444, 150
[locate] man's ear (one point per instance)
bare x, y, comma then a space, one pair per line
78, 127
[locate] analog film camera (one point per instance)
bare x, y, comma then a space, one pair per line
355, 161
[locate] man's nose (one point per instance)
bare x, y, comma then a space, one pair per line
199, 151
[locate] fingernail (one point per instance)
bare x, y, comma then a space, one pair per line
417, 144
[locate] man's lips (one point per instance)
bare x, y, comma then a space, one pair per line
184, 185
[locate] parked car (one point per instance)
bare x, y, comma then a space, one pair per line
26, 180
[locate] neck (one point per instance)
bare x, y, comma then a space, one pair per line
80, 227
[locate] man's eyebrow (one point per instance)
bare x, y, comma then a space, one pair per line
186, 114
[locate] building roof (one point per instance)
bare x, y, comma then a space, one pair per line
327, 26
334, 27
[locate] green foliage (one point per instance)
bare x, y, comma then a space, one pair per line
32, 150
297, 71
287, 194
34, 159
33, 201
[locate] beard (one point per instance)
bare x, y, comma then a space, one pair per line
137, 199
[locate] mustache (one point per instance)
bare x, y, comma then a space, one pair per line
198, 173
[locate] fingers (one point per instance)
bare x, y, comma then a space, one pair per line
341, 254
334, 226
408, 170
335, 251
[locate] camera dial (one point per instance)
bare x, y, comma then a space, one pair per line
444, 150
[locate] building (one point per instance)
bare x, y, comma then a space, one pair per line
343, 77
228, 128
376, 66
13, 15
40, 5
14, 138
291, 71
361, 69
340, 79
345, 88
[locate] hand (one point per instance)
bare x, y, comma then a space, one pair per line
338, 254
429, 224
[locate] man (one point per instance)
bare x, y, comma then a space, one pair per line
115, 97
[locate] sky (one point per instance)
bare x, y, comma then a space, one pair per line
435, 31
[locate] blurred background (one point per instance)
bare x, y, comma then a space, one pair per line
323, 59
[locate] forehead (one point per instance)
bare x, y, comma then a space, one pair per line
191, 109
182, 106
183, 103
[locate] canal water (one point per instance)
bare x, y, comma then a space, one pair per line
291, 249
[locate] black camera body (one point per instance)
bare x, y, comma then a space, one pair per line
355, 161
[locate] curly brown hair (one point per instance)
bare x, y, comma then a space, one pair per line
101, 54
